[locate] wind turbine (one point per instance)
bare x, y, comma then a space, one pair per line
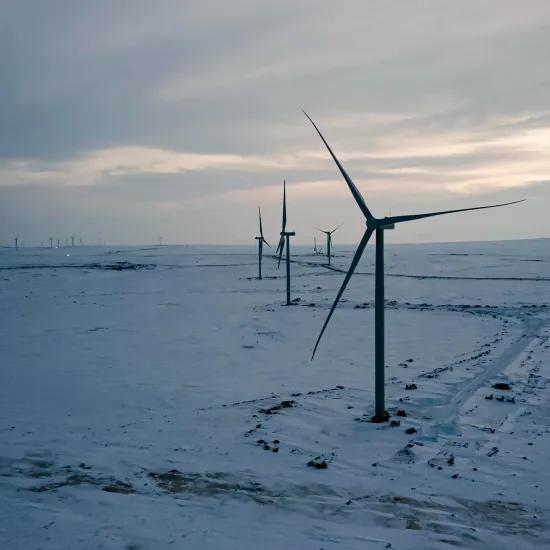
16, 242
378, 225
261, 242
315, 245
51, 242
329, 239
285, 239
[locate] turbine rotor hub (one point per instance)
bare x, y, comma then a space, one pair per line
372, 223
379, 223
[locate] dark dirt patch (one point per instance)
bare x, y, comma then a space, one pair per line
287, 404
318, 464
208, 484
119, 487
109, 484
116, 266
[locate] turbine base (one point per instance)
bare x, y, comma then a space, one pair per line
379, 419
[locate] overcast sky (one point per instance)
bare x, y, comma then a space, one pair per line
127, 120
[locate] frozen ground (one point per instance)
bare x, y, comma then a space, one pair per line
159, 397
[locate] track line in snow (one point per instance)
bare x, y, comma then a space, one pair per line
421, 277
444, 417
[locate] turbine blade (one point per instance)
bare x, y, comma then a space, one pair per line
354, 191
284, 205
266, 242
282, 247
408, 218
336, 228
321, 230
260, 216
354, 262
281, 241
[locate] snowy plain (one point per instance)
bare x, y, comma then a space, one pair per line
163, 397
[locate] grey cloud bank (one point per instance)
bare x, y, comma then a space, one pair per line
132, 119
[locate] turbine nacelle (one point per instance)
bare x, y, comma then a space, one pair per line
382, 223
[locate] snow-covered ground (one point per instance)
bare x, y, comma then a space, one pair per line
163, 397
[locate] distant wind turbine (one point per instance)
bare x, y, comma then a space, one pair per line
51, 242
329, 239
377, 225
261, 242
285, 239
16, 242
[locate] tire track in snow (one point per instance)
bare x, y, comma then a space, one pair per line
444, 417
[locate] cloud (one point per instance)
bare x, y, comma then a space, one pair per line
454, 162
184, 104
98, 166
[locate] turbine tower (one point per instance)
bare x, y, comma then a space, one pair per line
16, 242
285, 239
378, 226
329, 239
261, 242
51, 242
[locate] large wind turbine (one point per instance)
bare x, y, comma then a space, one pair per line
261, 242
285, 239
377, 225
281, 244
329, 239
